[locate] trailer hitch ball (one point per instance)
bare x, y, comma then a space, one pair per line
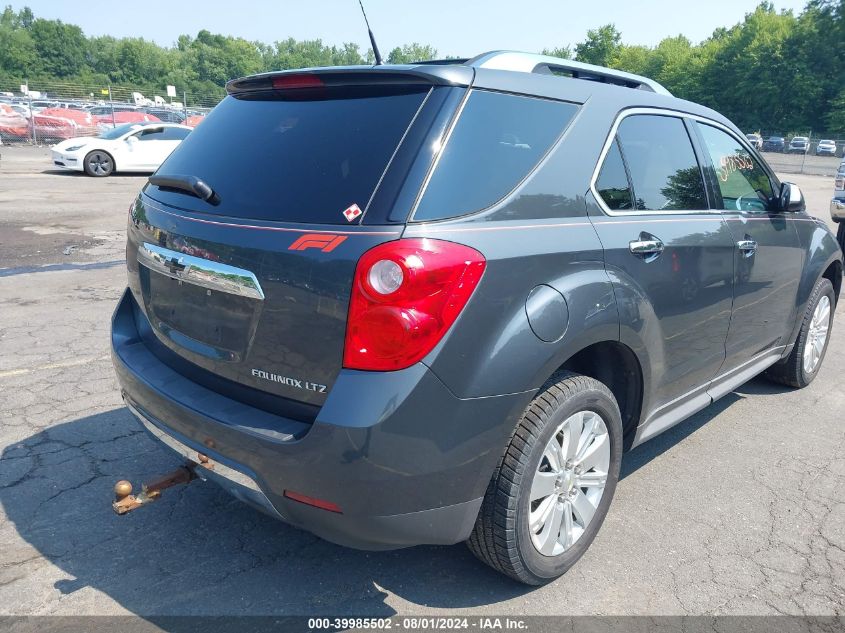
122, 489
125, 501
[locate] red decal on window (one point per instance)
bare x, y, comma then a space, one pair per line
352, 212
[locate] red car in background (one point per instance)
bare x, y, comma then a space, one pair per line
57, 124
13, 125
105, 121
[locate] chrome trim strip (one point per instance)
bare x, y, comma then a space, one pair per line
200, 272
660, 112
235, 476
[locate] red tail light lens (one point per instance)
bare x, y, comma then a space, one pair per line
405, 296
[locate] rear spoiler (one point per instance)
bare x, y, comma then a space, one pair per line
331, 77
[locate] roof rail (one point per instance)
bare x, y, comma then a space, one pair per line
545, 64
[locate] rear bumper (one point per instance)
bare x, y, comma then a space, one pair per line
406, 461
837, 209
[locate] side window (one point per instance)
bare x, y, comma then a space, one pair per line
664, 171
151, 134
497, 141
612, 183
743, 184
175, 134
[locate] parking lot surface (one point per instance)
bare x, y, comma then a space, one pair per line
739, 510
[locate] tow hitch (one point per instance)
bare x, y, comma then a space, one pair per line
125, 501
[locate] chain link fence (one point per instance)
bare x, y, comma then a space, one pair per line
797, 153
45, 113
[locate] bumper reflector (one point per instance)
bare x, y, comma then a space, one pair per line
311, 501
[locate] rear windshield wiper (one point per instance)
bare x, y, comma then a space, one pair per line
187, 184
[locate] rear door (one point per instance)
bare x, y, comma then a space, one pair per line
254, 286
768, 256
670, 256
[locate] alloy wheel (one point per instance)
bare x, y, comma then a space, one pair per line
817, 335
569, 483
100, 163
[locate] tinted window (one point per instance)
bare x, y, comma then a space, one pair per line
305, 158
496, 142
612, 183
152, 134
175, 134
743, 183
664, 171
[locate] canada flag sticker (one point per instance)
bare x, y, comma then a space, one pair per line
352, 212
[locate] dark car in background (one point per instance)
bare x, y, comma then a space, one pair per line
426, 304
167, 115
774, 144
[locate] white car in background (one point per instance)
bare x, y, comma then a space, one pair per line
138, 147
826, 147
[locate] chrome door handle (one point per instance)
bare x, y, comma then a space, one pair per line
646, 247
747, 246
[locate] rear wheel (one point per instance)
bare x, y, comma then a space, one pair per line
551, 492
98, 163
803, 363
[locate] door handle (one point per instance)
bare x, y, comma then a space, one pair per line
747, 246
649, 248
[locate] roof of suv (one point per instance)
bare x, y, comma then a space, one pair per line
511, 71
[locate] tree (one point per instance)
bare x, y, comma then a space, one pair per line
600, 47
60, 47
411, 53
564, 52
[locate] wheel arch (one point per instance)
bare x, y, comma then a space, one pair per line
617, 366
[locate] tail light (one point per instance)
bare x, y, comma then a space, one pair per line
405, 296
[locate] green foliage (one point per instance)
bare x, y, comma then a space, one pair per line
411, 53
772, 72
600, 47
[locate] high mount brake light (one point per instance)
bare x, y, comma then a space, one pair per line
283, 82
405, 296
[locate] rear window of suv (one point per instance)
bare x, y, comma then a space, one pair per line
498, 139
294, 159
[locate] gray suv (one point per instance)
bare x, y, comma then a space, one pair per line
435, 303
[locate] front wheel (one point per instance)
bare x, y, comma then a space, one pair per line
552, 489
802, 365
98, 163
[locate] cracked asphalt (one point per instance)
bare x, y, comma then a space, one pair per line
739, 510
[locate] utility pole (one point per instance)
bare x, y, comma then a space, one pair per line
31, 114
111, 103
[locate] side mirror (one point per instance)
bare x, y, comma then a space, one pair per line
791, 198
131, 140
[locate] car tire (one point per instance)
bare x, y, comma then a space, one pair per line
503, 537
802, 365
98, 164
840, 235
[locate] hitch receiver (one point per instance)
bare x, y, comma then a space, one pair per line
125, 501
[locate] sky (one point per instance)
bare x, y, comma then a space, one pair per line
452, 27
